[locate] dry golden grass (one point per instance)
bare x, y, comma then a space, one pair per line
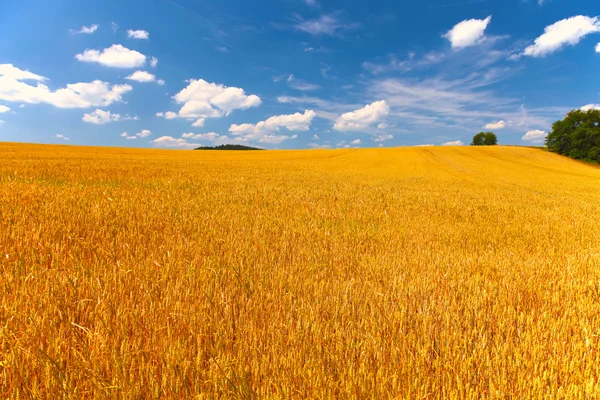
454, 273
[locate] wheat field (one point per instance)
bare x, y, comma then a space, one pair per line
405, 273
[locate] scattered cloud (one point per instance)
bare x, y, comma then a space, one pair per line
75, 95
141, 76
467, 33
454, 143
171, 142
316, 137
326, 24
140, 34
363, 118
383, 125
59, 136
144, 133
100, 117
495, 125
319, 146
153, 62
535, 136
266, 131
116, 56
357, 141
202, 99
598, 48
210, 137
4, 109
86, 30
382, 137
114, 27
167, 115
222, 49
161, 82
565, 32
199, 123
585, 108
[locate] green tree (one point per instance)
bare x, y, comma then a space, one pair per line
577, 136
484, 139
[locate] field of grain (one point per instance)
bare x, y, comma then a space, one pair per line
410, 273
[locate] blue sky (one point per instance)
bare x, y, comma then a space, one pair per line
293, 74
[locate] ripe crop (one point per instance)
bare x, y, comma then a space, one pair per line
455, 273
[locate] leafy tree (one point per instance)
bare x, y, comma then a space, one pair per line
484, 139
577, 136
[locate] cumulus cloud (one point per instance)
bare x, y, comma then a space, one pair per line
357, 141
116, 56
101, 117
153, 62
137, 34
467, 33
266, 131
141, 76
75, 95
454, 143
495, 125
319, 146
535, 136
160, 82
59, 136
591, 107
363, 118
598, 48
202, 99
565, 32
144, 133
88, 30
4, 109
199, 123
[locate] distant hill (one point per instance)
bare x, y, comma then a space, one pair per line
228, 147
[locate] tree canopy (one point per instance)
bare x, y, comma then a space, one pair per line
227, 147
484, 139
577, 136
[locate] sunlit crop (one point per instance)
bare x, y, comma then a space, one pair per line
417, 273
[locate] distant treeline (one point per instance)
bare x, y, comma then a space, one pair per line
228, 147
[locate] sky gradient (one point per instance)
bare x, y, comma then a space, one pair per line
294, 74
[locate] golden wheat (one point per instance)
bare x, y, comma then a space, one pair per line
454, 273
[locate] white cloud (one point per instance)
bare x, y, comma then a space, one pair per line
137, 34
591, 107
160, 82
141, 76
598, 48
316, 137
265, 131
199, 123
357, 141
153, 62
301, 85
535, 136
202, 99
88, 30
116, 56
565, 32
319, 146
383, 125
59, 136
1, 122
495, 125
144, 133
167, 115
424, 145
467, 33
126, 136
100, 117
8, 71
382, 137
326, 24
114, 26
169, 141
455, 143
75, 95
361, 119
4, 109
210, 136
